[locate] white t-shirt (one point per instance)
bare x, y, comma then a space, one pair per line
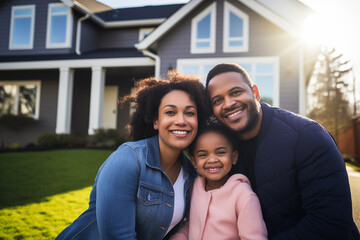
179, 204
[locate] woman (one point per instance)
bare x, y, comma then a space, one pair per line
142, 190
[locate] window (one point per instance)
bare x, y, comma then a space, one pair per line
20, 98
203, 31
143, 32
264, 72
236, 30
22, 27
59, 26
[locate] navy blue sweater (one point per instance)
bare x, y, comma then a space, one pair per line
301, 179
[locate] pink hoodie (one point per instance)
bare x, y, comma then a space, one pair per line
230, 212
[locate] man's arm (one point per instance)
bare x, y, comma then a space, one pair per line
324, 189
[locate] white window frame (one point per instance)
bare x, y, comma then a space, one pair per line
22, 83
246, 60
69, 26
226, 38
32, 26
144, 32
194, 23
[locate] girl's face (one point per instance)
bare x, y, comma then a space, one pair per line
213, 158
177, 121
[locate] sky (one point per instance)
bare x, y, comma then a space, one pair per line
336, 24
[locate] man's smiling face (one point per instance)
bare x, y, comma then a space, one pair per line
235, 103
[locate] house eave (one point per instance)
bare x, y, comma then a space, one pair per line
82, 63
271, 16
134, 23
167, 25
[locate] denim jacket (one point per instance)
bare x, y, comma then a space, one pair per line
132, 197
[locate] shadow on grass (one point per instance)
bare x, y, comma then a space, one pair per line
30, 177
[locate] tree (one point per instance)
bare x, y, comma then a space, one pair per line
328, 91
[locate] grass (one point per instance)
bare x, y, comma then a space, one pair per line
43, 192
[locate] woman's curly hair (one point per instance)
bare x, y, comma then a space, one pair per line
148, 98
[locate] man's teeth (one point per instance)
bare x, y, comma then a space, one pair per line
234, 114
179, 132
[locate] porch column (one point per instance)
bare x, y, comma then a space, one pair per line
302, 83
96, 98
65, 93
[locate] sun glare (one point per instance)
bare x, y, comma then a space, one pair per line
321, 29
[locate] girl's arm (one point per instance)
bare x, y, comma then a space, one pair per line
117, 184
250, 221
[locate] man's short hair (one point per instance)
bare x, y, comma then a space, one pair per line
228, 67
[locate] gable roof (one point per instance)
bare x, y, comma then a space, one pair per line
92, 6
87, 6
108, 17
139, 13
276, 12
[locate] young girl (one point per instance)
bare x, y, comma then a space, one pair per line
222, 206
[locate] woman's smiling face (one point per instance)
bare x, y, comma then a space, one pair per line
177, 121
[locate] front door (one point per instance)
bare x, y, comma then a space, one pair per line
110, 107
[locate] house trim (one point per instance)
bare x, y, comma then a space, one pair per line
69, 28
302, 87
271, 16
96, 98
211, 9
253, 60
65, 94
26, 82
168, 24
32, 28
88, 63
228, 7
186, 9
143, 32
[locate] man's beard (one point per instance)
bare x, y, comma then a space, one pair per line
252, 119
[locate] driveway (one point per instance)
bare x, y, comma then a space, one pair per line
354, 179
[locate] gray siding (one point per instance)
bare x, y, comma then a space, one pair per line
81, 101
124, 78
119, 38
48, 106
41, 14
266, 39
89, 36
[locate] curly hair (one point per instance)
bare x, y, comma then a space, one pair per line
148, 98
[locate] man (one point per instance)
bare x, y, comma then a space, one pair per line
292, 162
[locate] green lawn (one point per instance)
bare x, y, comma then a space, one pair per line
43, 192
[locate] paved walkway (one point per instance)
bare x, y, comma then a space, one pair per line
352, 172
354, 180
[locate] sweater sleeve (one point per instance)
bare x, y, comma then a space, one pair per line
250, 221
324, 189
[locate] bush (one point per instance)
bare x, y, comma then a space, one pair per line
108, 138
14, 146
15, 123
52, 140
103, 138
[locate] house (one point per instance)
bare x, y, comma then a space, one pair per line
348, 141
65, 63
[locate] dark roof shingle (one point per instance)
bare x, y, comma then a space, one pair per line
139, 13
